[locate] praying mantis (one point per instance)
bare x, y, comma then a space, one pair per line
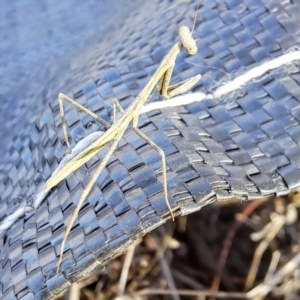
115, 132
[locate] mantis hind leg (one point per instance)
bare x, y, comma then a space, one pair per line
86, 192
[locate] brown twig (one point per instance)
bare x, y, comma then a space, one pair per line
147, 292
227, 243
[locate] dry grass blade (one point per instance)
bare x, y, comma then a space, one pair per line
276, 225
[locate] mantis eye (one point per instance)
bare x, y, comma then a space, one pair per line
187, 40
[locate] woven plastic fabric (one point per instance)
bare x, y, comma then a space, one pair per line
244, 145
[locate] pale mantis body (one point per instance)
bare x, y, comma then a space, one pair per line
115, 132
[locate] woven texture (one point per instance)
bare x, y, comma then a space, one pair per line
243, 146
